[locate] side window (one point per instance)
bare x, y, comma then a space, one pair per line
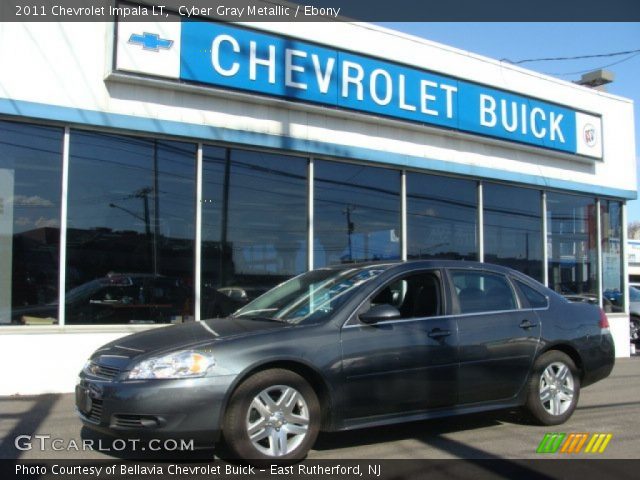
482, 292
415, 296
535, 298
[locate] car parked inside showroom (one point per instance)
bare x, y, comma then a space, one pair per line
348, 347
115, 298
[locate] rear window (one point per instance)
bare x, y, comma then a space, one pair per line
535, 298
483, 292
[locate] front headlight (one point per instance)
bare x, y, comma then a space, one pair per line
182, 364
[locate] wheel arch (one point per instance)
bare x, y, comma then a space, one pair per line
570, 351
310, 374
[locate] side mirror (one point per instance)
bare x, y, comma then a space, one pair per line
380, 313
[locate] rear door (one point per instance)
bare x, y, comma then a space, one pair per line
498, 338
402, 365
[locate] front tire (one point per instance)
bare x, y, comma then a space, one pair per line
273, 415
553, 388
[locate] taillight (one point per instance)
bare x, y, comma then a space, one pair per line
604, 321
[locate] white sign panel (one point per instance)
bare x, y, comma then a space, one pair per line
588, 135
152, 48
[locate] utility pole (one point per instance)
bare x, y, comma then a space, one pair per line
225, 219
156, 208
350, 228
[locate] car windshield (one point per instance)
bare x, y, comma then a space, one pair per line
634, 294
311, 296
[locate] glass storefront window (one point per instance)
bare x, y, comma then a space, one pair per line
30, 192
513, 228
254, 225
131, 230
612, 281
131, 227
572, 246
356, 213
442, 217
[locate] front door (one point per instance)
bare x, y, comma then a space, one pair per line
403, 365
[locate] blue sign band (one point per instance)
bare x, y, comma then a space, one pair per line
227, 56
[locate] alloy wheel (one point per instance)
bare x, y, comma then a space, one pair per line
556, 388
277, 420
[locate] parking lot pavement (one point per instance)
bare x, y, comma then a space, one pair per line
611, 406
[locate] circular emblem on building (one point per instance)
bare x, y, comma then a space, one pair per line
589, 135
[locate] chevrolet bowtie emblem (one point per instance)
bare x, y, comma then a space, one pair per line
150, 41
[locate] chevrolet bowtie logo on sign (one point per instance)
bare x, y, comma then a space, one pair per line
574, 443
150, 41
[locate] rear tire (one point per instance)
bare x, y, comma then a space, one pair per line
274, 415
553, 388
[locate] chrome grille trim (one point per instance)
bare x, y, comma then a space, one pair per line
102, 371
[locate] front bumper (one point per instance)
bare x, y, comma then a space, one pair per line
147, 409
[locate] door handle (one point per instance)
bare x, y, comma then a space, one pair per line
526, 324
438, 333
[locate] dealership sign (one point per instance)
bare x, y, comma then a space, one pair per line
223, 55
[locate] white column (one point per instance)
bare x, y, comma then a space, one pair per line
310, 215
198, 246
599, 250
625, 258
62, 278
480, 223
545, 247
403, 214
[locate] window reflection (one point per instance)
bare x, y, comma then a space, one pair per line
131, 229
611, 223
254, 225
572, 246
513, 228
442, 217
356, 213
30, 190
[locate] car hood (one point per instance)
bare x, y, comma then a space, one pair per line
120, 352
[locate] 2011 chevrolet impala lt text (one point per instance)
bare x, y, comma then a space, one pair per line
348, 347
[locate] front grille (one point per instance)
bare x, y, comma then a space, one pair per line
95, 415
102, 371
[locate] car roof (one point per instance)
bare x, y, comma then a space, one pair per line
411, 264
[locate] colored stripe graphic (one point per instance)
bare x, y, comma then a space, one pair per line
551, 442
598, 443
574, 442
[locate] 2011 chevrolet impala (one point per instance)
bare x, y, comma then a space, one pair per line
349, 347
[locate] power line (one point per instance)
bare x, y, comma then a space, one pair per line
579, 57
598, 68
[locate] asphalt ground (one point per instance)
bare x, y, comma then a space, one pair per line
610, 406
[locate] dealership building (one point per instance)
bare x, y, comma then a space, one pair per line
155, 173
